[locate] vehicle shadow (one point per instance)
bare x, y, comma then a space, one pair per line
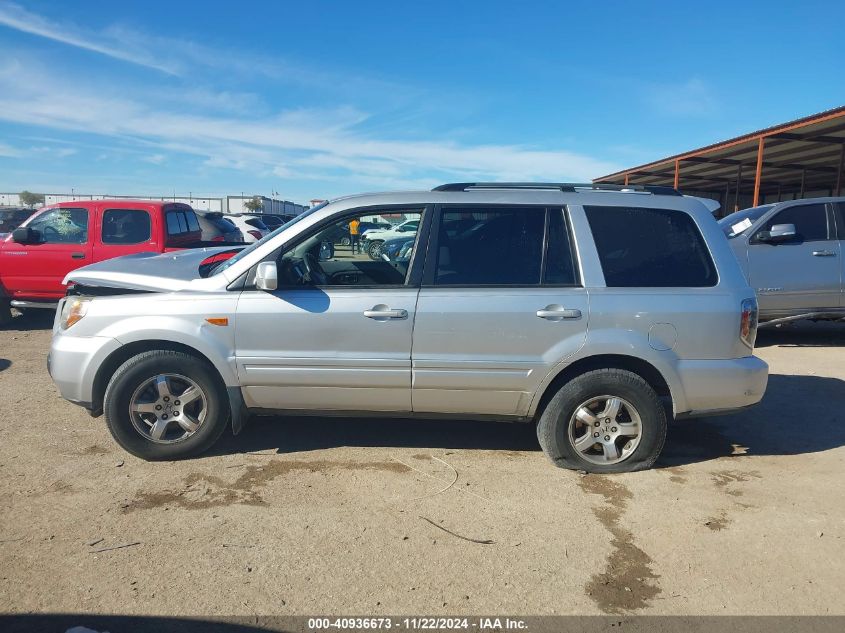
5, 363
34, 319
301, 434
803, 334
786, 422
777, 426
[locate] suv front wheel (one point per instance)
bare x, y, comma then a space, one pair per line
163, 405
604, 421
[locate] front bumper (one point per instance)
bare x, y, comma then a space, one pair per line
73, 362
714, 387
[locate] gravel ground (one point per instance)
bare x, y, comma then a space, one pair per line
742, 515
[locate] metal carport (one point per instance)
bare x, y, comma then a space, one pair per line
799, 159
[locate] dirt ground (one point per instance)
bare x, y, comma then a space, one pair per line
743, 514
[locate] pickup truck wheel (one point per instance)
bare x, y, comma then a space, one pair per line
165, 405
5, 312
604, 421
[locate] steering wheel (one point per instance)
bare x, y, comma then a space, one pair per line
316, 274
50, 229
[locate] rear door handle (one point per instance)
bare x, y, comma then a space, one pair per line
555, 312
824, 254
78, 255
383, 312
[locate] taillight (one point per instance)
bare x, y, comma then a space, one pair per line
255, 234
748, 322
217, 238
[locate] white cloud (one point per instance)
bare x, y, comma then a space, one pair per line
693, 97
16, 17
7, 151
155, 159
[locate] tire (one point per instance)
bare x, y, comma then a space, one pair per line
578, 405
374, 249
345, 241
5, 312
130, 385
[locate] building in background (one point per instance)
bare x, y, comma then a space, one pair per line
228, 204
235, 204
799, 159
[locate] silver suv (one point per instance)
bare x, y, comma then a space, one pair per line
791, 253
589, 311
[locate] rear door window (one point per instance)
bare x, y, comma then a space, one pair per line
503, 246
126, 226
650, 248
810, 220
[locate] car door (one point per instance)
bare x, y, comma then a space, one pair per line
35, 271
334, 336
839, 216
501, 303
123, 232
802, 274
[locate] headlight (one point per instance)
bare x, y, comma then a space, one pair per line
73, 310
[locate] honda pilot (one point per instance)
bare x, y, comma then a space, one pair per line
596, 313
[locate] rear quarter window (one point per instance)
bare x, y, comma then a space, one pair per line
650, 248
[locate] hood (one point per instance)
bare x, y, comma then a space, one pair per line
155, 272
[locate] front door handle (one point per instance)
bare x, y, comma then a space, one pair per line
78, 255
824, 254
555, 312
383, 312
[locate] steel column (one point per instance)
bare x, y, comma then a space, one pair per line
759, 172
677, 174
839, 171
738, 185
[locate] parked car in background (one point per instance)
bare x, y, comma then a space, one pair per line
340, 233
217, 227
395, 248
498, 315
37, 256
10, 219
271, 221
251, 227
375, 237
792, 254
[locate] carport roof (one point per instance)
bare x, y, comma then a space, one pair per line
802, 155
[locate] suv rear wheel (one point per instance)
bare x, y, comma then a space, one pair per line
604, 421
163, 405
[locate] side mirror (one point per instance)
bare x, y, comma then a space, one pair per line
778, 233
26, 235
267, 276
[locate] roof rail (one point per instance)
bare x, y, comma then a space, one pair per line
569, 187
463, 186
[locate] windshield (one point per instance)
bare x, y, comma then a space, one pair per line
738, 223
224, 265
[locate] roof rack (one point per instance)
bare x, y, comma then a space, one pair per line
569, 187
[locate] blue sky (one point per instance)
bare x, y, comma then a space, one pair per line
317, 99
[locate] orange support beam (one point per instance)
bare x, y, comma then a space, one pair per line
626, 176
677, 173
759, 171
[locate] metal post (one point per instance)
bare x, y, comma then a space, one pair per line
626, 176
803, 178
724, 211
839, 171
738, 184
758, 174
677, 173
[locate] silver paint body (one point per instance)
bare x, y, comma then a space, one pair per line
461, 351
793, 278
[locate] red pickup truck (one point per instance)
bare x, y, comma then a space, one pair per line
35, 258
